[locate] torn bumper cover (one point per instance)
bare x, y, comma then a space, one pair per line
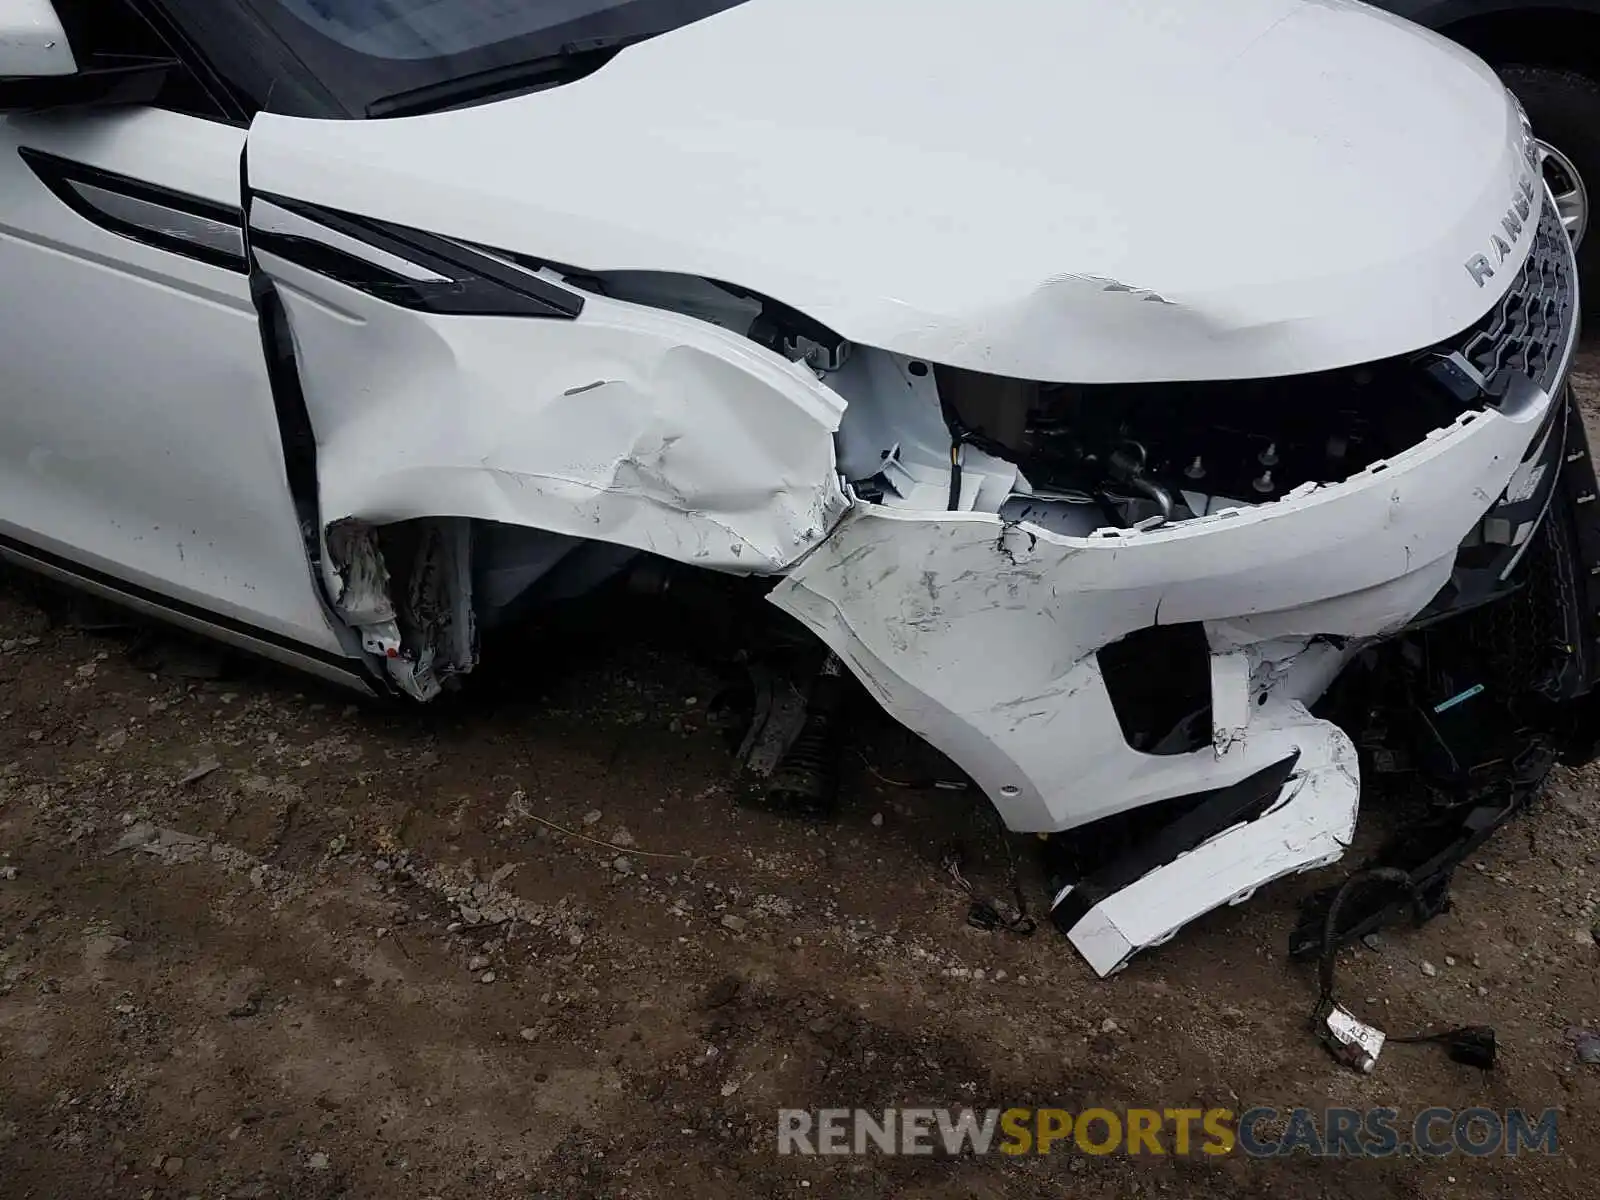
981, 634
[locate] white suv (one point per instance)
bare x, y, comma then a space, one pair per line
1097, 382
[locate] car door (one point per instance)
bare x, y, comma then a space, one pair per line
139, 442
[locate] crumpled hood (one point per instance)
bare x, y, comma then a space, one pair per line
1051, 189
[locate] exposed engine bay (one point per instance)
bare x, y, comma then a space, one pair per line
1144, 454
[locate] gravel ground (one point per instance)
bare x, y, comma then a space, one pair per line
259, 940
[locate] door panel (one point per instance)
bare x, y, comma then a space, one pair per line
138, 434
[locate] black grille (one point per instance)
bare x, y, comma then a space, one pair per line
1527, 330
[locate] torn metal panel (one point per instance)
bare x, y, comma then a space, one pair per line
979, 633
357, 576
358, 586
895, 429
628, 425
438, 620
430, 634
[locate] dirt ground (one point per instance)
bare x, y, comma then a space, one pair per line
257, 939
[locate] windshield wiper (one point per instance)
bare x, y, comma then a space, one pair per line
572, 61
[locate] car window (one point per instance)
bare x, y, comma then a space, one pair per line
368, 53
417, 29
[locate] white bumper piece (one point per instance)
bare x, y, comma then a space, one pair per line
980, 635
1308, 825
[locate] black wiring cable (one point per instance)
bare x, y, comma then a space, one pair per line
1473, 1045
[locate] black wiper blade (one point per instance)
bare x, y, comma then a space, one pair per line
572, 61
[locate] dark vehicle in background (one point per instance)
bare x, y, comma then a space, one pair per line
1548, 53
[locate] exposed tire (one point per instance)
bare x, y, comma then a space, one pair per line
1564, 107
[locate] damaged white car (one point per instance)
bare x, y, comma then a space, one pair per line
1158, 407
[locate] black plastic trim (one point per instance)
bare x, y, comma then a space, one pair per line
476, 284
104, 80
59, 174
1480, 575
348, 269
296, 438
1214, 811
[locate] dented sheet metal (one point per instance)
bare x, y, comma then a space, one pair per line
979, 634
628, 425
789, 150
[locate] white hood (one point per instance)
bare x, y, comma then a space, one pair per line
1049, 189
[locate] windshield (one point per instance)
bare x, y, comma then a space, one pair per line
367, 51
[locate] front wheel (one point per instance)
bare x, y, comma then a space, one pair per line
1564, 107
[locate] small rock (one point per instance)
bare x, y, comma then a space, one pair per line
1429, 969
242, 996
380, 865
134, 836
502, 873
622, 865
877, 819
528, 1034
477, 963
1449, 961
1588, 1045
1372, 942
593, 817
470, 915
487, 977
1109, 1026
171, 1166
724, 991
622, 837
737, 924
8, 872
317, 1162
200, 772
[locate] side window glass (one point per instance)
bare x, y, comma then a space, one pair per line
114, 29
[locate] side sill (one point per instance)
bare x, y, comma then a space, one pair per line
345, 672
